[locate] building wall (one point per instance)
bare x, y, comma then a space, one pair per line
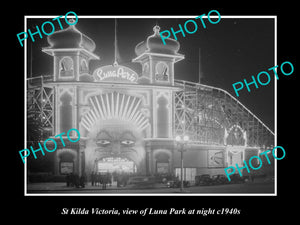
202, 159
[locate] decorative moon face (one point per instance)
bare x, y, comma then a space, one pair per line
114, 139
115, 126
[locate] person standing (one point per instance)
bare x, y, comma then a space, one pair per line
98, 179
92, 178
82, 180
68, 180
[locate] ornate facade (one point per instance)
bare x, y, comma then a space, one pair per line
128, 121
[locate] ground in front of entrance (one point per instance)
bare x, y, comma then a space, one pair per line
259, 186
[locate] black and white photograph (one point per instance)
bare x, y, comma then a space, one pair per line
153, 106
150, 117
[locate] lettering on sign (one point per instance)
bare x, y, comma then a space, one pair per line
115, 74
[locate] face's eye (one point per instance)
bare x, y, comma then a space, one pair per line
127, 142
102, 142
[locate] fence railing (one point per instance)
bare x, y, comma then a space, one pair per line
35, 81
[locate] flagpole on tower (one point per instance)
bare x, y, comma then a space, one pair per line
199, 69
31, 59
115, 43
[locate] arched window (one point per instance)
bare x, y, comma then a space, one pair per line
163, 125
236, 136
162, 163
66, 163
161, 72
83, 66
66, 112
66, 67
146, 69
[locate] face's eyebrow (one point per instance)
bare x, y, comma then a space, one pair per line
103, 135
128, 135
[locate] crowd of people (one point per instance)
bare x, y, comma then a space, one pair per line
104, 180
97, 179
74, 180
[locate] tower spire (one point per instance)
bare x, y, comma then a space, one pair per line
115, 44
200, 67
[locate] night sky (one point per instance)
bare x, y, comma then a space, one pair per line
232, 50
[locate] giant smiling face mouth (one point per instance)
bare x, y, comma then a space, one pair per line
122, 144
116, 128
129, 154
116, 164
115, 140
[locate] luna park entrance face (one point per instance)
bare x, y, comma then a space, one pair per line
115, 164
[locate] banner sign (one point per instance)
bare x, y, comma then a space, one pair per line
118, 74
215, 158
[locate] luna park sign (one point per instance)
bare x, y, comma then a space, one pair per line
115, 73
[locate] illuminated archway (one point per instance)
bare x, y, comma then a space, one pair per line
115, 124
117, 106
163, 161
115, 165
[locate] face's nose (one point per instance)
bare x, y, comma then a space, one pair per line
115, 148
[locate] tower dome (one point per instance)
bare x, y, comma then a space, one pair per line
154, 44
71, 37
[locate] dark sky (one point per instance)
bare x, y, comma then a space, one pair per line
232, 50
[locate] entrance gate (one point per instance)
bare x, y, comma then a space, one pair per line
116, 164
